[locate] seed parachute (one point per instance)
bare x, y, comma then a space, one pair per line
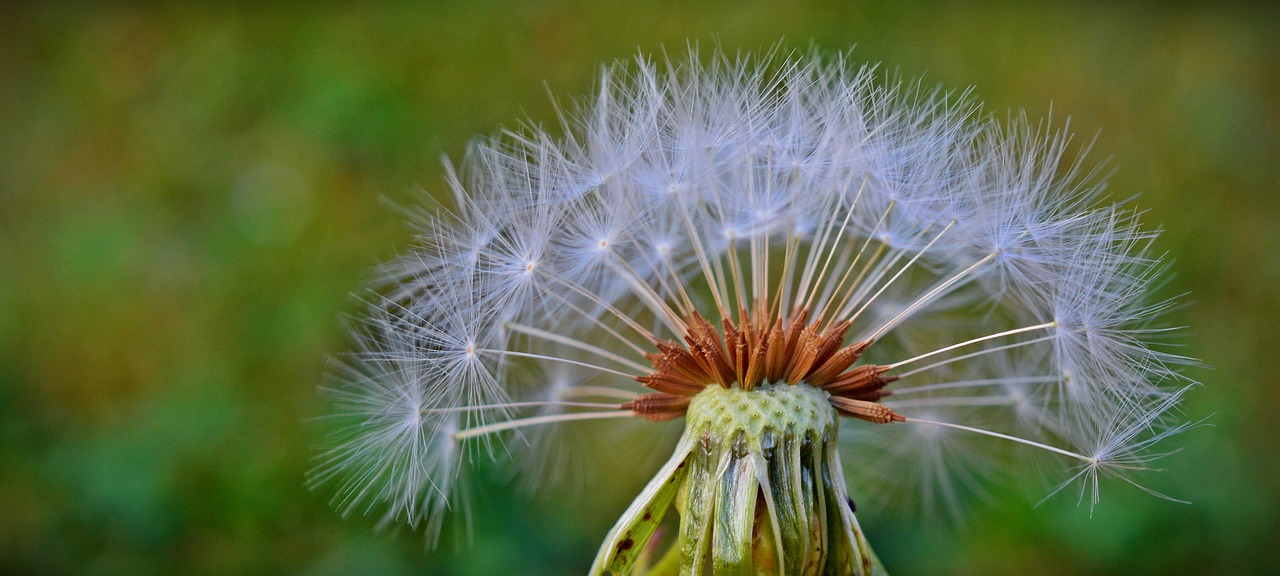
815, 274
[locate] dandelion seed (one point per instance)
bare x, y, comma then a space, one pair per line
804, 264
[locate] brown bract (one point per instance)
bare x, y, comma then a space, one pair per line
756, 352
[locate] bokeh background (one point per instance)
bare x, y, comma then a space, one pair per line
188, 196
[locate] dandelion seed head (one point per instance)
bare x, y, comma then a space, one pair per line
947, 281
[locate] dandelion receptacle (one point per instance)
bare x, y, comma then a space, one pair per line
788, 268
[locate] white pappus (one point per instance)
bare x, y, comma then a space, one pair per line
951, 281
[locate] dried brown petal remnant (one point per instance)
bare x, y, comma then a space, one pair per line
756, 351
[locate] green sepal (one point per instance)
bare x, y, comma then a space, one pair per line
801, 548
633, 530
735, 510
859, 551
699, 498
758, 484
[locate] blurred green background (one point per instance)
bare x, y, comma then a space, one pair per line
187, 196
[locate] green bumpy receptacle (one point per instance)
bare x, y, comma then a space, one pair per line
757, 482
763, 411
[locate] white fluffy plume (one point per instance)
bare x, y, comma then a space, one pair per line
980, 256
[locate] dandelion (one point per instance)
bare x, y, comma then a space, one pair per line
814, 273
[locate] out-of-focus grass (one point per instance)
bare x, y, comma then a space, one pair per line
188, 195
